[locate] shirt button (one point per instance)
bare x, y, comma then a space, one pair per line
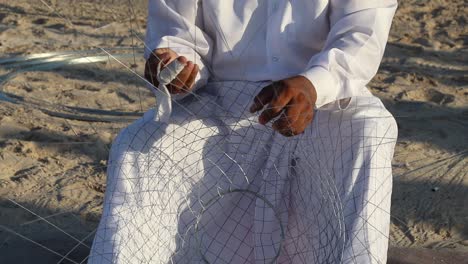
275, 59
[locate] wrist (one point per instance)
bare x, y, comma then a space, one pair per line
309, 86
325, 86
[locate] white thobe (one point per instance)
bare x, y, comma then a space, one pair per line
201, 181
336, 44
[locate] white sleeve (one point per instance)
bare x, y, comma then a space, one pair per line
353, 50
178, 24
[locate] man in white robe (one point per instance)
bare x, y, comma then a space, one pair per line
203, 178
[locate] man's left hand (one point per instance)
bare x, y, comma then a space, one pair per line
291, 99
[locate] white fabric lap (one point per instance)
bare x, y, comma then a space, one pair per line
173, 187
349, 150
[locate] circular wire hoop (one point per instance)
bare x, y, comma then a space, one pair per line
220, 196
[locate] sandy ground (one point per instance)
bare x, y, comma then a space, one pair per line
53, 148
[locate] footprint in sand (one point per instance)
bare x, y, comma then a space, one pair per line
58, 26
439, 97
40, 21
431, 95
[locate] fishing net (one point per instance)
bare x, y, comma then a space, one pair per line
205, 184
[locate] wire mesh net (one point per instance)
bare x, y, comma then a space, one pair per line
232, 191
211, 185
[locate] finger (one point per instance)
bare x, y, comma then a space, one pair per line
191, 79
283, 123
160, 51
290, 123
154, 60
291, 120
262, 98
177, 85
182, 59
294, 111
305, 122
151, 66
275, 108
165, 58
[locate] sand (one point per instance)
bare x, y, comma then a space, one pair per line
53, 149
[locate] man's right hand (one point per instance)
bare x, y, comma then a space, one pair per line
183, 83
